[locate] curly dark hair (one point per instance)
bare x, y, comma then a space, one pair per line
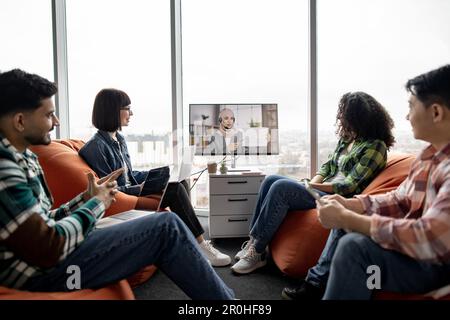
360, 116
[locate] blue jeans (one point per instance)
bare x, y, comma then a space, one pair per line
114, 253
276, 197
318, 275
399, 273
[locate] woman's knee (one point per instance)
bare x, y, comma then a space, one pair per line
284, 186
269, 180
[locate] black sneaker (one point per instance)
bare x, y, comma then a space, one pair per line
305, 291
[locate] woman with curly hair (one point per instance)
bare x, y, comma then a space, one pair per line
365, 135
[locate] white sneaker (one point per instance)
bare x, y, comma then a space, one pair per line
215, 257
250, 261
244, 249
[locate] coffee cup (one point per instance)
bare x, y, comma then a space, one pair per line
212, 167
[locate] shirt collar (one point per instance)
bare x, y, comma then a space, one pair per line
106, 135
430, 152
6, 144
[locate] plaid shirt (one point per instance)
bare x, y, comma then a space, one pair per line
364, 161
414, 219
23, 191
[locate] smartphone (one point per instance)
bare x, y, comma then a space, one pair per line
312, 192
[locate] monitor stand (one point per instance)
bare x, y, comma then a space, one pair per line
233, 166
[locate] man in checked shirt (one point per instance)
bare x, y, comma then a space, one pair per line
405, 233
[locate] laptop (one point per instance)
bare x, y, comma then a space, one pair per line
177, 174
180, 172
121, 217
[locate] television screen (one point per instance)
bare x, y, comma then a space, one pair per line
241, 129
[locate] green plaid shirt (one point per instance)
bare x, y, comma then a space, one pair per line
23, 191
360, 165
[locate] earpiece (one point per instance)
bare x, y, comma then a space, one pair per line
220, 119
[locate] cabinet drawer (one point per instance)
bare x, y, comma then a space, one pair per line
232, 204
229, 226
235, 185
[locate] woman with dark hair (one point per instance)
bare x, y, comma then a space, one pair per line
364, 131
107, 151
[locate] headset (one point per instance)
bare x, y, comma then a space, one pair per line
220, 117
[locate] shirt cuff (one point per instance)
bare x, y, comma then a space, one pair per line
76, 202
96, 206
381, 229
365, 202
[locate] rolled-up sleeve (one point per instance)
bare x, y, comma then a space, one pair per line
426, 238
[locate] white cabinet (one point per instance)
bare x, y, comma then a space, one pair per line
232, 200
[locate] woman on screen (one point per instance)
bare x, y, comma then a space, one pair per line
107, 151
227, 139
364, 131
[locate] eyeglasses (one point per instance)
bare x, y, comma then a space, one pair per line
126, 109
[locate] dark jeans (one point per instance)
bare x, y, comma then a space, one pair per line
399, 273
177, 198
114, 253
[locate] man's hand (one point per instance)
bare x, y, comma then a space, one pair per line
336, 197
104, 189
112, 176
332, 214
350, 204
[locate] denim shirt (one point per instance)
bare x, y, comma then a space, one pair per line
104, 155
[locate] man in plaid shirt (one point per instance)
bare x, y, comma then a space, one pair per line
38, 245
404, 233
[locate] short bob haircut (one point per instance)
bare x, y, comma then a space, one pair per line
360, 116
106, 112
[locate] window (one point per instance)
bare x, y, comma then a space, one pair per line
376, 46
123, 45
29, 47
252, 52
26, 35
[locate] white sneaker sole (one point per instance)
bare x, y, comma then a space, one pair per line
220, 264
260, 264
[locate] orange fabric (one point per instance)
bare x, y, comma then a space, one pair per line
298, 242
65, 173
117, 291
141, 276
397, 169
148, 203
